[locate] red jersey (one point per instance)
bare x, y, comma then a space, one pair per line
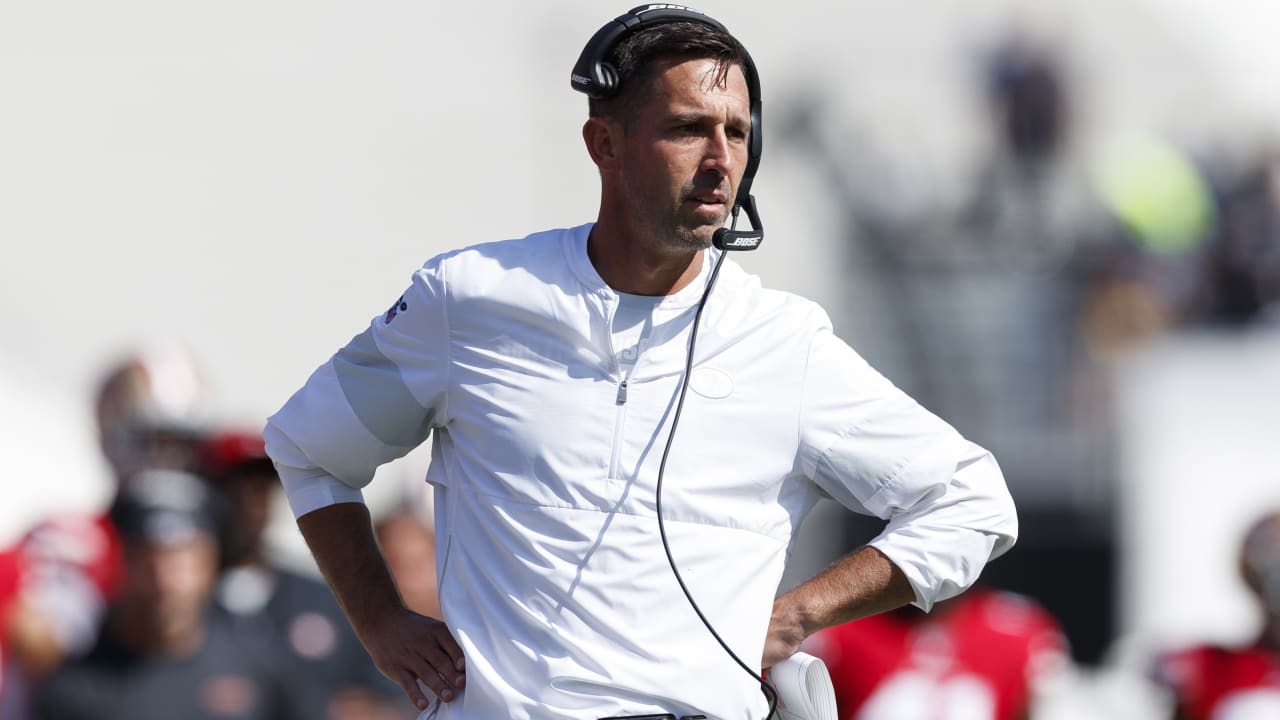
977, 657
1216, 683
67, 567
9, 573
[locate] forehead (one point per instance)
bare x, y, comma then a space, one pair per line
194, 543
694, 83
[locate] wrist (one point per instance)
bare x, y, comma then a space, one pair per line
795, 617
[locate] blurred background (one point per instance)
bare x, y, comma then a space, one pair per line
1055, 224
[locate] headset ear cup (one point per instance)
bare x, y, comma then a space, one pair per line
606, 80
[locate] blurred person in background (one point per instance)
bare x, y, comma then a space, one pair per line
1031, 206
160, 652
150, 412
409, 545
1200, 248
1212, 682
999, 288
57, 580
1242, 267
985, 655
54, 583
295, 613
1152, 276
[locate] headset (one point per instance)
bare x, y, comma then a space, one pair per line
595, 76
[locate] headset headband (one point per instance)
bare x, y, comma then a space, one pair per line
595, 76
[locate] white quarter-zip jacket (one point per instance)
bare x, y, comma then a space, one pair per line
545, 458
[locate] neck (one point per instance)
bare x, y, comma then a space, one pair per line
628, 264
1271, 633
249, 558
154, 634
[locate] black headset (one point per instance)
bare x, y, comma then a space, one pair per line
595, 76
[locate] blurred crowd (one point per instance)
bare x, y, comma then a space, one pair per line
1005, 307
995, 655
1001, 303
170, 604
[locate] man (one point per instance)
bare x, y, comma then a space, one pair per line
159, 654
551, 370
1213, 682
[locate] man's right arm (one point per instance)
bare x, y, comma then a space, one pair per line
374, 401
405, 646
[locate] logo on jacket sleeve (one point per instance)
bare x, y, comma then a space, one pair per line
398, 307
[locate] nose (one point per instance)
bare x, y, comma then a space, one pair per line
718, 154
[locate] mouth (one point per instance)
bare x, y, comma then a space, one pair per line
711, 197
709, 202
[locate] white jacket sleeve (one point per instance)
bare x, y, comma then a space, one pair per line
875, 450
375, 400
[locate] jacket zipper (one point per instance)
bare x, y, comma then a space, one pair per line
620, 420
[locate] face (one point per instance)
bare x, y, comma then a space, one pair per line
682, 153
410, 551
173, 580
249, 493
131, 450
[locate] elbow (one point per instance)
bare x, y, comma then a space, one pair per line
979, 484
1004, 524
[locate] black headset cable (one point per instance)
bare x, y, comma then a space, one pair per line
768, 689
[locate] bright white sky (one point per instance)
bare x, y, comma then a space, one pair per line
1239, 38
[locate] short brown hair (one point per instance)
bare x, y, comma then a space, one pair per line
636, 56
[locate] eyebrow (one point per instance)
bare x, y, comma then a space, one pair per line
688, 117
695, 117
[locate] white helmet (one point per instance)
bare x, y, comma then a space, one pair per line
149, 410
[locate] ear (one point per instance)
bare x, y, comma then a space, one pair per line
601, 136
